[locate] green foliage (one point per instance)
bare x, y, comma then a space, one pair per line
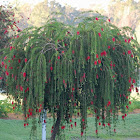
135, 104
6, 107
3, 109
61, 67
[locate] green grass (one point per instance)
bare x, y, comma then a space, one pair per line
14, 130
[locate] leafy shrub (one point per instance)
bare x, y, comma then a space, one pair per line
7, 107
135, 104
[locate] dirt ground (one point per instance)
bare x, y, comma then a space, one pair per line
13, 116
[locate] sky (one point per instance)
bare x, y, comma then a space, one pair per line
74, 3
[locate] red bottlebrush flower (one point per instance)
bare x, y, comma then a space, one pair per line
21, 88
39, 110
125, 115
131, 37
81, 133
24, 74
5, 66
99, 34
44, 121
13, 107
95, 62
113, 39
97, 76
0, 78
24, 124
88, 57
7, 73
113, 65
132, 55
133, 81
130, 102
125, 40
114, 130
27, 124
84, 75
62, 51
127, 107
51, 131
78, 113
83, 120
104, 125
19, 60
97, 56
70, 120
91, 102
96, 131
71, 125
95, 111
109, 20
78, 32
73, 51
98, 117
25, 60
65, 44
12, 102
91, 90
5, 57
105, 53
129, 51
11, 48
62, 127
109, 124
51, 68
126, 97
122, 117
108, 47
118, 34
137, 89
129, 40
27, 88
99, 123
58, 57
75, 124
96, 18
109, 103
2, 63
30, 113
73, 89
17, 36
102, 29
5, 32
113, 48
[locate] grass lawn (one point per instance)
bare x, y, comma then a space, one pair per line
14, 130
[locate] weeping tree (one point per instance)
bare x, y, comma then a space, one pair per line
61, 68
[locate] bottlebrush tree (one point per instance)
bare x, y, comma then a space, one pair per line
8, 30
60, 68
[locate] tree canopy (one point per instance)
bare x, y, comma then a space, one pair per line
61, 67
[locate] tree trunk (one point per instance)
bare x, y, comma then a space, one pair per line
44, 116
56, 127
